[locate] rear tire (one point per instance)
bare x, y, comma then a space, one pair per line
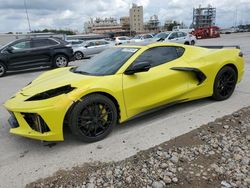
224, 83
93, 118
2, 69
186, 43
60, 60
78, 55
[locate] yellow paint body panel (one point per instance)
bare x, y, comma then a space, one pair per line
134, 93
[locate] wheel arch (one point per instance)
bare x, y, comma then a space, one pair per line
60, 53
233, 66
111, 97
4, 63
78, 51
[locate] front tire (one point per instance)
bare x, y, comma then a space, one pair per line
60, 61
2, 69
224, 83
93, 118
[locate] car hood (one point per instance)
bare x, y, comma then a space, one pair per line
55, 79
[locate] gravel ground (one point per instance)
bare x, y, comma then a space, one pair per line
215, 155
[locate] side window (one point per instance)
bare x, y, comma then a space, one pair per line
159, 55
148, 36
97, 43
184, 34
180, 34
38, 43
52, 42
173, 35
91, 44
21, 45
103, 43
180, 51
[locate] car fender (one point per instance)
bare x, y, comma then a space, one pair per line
118, 96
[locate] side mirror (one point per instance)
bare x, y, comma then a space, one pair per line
86, 46
138, 67
171, 37
9, 49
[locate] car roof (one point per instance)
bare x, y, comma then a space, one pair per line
96, 40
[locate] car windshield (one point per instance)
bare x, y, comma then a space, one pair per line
161, 35
106, 63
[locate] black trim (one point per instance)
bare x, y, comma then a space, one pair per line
198, 73
219, 47
153, 110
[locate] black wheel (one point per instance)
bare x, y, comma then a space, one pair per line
224, 83
2, 69
60, 60
93, 118
186, 43
192, 43
78, 55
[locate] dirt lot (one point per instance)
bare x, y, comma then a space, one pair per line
216, 154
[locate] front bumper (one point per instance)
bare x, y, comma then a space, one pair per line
41, 120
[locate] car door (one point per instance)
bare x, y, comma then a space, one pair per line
182, 37
20, 55
90, 48
158, 86
42, 50
100, 46
147, 37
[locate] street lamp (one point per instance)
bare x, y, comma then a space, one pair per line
27, 15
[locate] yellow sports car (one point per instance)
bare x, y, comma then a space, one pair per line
119, 84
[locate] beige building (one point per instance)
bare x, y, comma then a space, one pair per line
125, 23
136, 18
101, 26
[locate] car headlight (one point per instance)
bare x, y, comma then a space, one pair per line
51, 93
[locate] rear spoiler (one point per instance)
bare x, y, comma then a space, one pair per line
219, 47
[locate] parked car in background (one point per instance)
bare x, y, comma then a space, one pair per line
142, 38
121, 40
89, 48
35, 52
177, 37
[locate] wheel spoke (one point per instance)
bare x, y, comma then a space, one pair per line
95, 119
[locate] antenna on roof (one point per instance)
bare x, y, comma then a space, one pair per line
27, 15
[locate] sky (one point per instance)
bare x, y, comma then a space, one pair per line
71, 14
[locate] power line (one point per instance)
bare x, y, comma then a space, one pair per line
27, 15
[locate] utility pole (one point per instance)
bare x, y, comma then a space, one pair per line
27, 15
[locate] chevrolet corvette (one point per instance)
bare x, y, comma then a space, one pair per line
119, 84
